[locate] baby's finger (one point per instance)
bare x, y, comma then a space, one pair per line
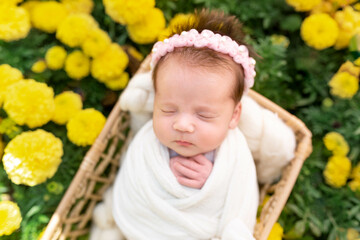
181, 168
191, 164
173, 169
189, 182
201, 159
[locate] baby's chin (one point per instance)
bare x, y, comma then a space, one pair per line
187, 153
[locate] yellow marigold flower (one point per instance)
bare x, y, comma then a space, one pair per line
357, 61
350, 68
77, 65
280, 40
176, 21
344, 85
75, 28
336, 143
357, 6
355, 173
128, 12
32, 157
118, 83
14, 2
78, 6
67, 105
39, 66
42, 231
303, 5
55, 57
8, 76
110, 64
96, 42
136, 54
29, 102
276, 232
337, 171
10, 217
319, 31
349, 24
355, 185
14, 23
84, 128
341, 3
47, 16
324, 7
30, 5
147, 30
343, 40
263, 203
352, 234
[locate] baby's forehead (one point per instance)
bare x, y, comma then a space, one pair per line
174, 73
226, 68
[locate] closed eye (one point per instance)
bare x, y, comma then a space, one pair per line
206, 116
168, 111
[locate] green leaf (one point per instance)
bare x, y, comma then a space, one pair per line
352, 212
34, 210
305, 63
297, 231
332, 235
295, 209
300, 227
357, 131
315, 229
291, 23
314, 220
43, 219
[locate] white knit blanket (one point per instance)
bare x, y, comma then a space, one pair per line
149, 203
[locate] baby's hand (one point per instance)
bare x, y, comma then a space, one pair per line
191, 172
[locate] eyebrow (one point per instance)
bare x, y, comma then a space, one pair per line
206, 109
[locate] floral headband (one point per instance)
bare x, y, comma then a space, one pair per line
216, 42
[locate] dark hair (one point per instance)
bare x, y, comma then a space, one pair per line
218, 22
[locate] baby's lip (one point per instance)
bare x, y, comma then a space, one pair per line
183, 143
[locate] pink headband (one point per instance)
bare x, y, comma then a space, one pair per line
216, 42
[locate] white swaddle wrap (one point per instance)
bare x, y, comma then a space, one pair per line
271, 141
149, 203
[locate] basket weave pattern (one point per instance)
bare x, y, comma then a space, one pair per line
97, 172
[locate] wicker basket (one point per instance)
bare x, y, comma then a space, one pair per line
97, 172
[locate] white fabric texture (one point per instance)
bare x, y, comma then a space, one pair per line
149, 203
103, 224
138, 99
271, 141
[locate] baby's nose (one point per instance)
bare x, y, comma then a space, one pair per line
184, 124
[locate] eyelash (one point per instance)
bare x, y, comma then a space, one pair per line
199, 115
168, 112
205, 117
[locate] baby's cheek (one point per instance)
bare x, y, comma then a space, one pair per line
213, 137
161, 129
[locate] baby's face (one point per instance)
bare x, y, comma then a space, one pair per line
193, 108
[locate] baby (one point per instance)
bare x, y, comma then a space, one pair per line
197, 103
188, 173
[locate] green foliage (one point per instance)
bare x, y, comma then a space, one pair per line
272, 76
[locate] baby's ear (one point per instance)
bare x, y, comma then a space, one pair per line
236, 116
